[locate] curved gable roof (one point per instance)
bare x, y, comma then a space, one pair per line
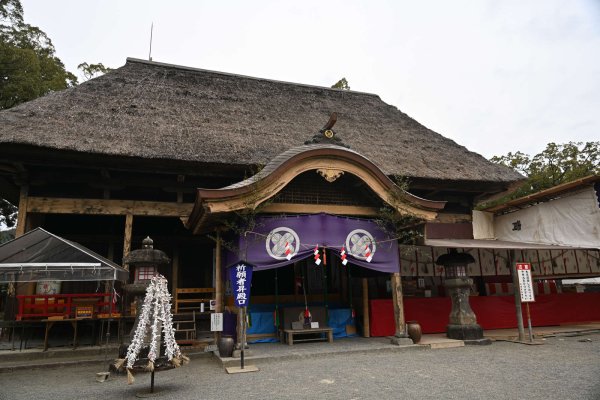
158, 111
290, 164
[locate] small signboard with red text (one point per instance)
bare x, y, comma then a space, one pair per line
525, 282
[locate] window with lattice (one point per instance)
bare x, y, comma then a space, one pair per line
145, 273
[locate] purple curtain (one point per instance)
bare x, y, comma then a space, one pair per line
266, 248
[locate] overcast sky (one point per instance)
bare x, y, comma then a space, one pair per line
495, 76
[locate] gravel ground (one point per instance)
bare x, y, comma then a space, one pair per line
562, 368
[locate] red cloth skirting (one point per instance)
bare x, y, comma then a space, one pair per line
493, 312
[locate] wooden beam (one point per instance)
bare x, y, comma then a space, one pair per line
453, 218
49, 205
22, 215
365, 296
319, 208
127, 241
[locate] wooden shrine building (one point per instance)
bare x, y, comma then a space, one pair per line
194, 158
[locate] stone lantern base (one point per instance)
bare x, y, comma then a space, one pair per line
463, 322
470, 334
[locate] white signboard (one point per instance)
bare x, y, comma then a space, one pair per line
525, 282
216, 322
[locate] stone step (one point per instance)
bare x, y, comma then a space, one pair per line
447, 345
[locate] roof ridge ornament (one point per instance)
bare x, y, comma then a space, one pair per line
327, 135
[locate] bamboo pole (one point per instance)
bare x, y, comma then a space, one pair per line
365, 290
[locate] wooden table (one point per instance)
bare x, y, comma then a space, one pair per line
22, 324
50, 323
289, 334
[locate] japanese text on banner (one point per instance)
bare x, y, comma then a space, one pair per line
241, 278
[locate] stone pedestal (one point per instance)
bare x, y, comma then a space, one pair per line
401, 340
462, 321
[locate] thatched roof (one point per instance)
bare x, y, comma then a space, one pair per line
158, 111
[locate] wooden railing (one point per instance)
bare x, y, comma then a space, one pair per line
188, 299
49, 305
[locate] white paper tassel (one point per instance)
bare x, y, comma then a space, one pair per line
155, 311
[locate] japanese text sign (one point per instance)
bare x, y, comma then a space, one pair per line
240, 276
525, 282
216, 322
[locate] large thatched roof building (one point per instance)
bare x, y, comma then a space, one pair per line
179, 115
205, 162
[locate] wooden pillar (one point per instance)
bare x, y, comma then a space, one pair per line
365, 294
22, 215
218, 282
296, 274
175, 274
343, 283
29, 287
218, 277
127, 240
517, 291
398, 305
111, 251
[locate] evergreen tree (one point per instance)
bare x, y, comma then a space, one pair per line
29, 67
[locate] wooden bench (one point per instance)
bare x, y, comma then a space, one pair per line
289, 334
190, 298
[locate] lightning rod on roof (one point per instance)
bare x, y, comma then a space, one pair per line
150, 52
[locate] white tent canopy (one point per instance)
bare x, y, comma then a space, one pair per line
586, 281
40, 255
494, 244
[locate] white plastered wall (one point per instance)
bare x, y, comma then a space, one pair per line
483, 225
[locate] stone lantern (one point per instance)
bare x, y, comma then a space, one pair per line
462, 321
144, 263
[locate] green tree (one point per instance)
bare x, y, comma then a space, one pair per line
558, 163
29, 67
90, 71
341, 84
